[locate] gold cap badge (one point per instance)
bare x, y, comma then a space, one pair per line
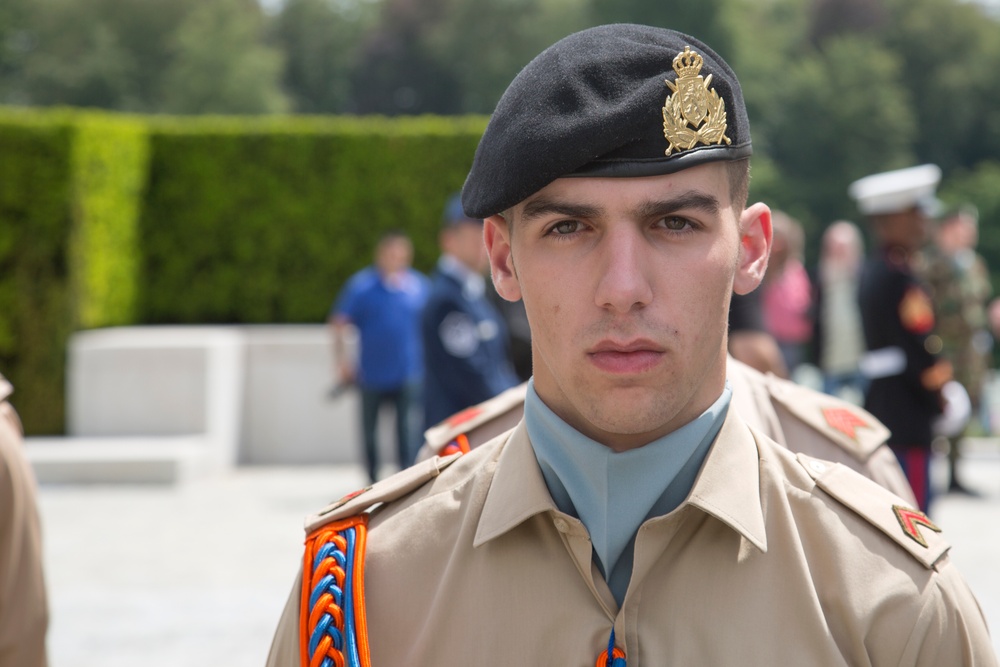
693, 113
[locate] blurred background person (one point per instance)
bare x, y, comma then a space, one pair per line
24, 615
838, 340
516, 319
749, 340
960, 286
384, 302
466, 343
786, 294
906, 375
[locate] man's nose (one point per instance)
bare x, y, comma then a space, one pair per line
624, 282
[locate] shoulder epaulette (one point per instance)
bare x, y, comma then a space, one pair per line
387, 490
908, 527
853, 428
453, 434
332, 625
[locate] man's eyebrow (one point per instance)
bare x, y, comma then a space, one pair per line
541, 206
689, 200
684, 201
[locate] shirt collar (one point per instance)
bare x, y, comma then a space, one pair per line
727, 488
614, 492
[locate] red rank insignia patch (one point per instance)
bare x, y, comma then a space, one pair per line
845, 421
910, 520
463, 416
346, 499
916, 313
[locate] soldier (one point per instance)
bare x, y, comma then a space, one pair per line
960, 288
902, 363
630, 515
466, 342
794, 416
23, 608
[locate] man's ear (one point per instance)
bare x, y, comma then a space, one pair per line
755, 248
496, 234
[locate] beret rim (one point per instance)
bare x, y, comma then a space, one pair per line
636, 168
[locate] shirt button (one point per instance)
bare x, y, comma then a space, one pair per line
817, 466
561, 525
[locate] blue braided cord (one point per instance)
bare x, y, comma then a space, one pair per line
321, 553
327, 662
317, 634
353, 659
325, 626
328, 584
612, 661
324, 552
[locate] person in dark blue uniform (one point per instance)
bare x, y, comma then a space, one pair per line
466, 343
897, 315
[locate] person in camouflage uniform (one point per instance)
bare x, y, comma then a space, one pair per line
960, 289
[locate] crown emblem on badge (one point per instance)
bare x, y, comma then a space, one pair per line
693, 113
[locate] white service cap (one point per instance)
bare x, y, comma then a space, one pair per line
894, 191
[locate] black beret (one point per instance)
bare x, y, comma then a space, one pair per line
617, 100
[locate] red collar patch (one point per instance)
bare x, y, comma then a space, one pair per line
844, 420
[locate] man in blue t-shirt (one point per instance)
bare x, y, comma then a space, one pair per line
466, 343
384, 303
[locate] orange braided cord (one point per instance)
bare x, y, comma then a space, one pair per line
459, 444
332, 629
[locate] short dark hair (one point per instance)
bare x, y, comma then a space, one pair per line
739, 182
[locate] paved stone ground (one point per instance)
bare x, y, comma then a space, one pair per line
196, 575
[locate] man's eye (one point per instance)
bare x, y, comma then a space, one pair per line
566, 227
676, 224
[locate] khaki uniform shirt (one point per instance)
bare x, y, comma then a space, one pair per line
773, 559
23, 607
801, 419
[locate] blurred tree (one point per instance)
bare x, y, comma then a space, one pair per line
71, 54
397, 73
15, 40
104, 53
833, 18
485, 43
320, 39
221, 64
768, 35
950, 52
703, 19
840, 114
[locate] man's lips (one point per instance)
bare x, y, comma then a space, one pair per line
629, 357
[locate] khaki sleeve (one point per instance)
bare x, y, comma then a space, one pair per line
285, 645
950, 629
23, 605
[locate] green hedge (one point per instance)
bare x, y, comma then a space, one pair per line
110, 159
111, 220
35, 223
263, 220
